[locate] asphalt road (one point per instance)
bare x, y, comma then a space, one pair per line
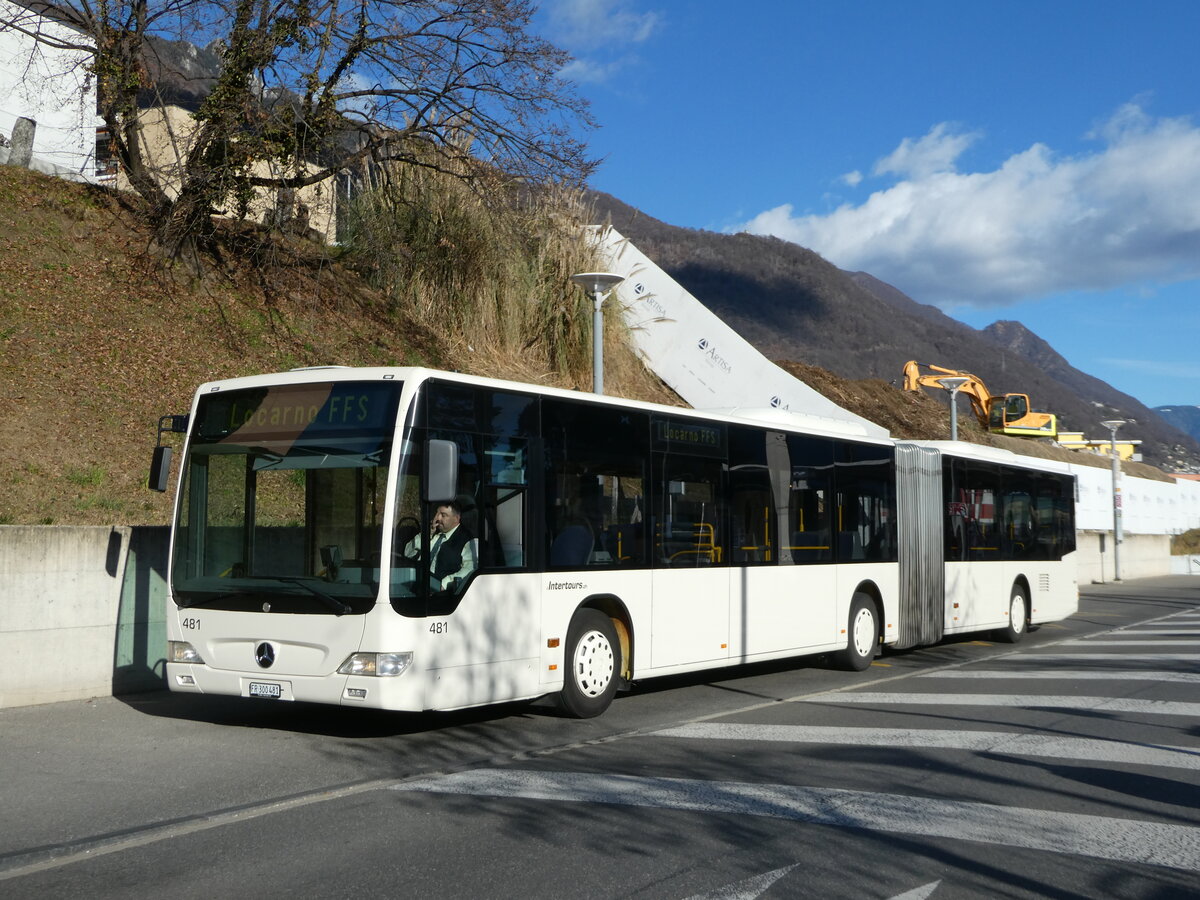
1068, 766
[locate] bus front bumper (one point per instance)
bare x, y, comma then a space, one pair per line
397, 693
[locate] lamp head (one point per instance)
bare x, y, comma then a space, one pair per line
597, 282
952, 382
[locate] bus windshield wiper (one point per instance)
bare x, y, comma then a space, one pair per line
209, 598
333, 603
337, 606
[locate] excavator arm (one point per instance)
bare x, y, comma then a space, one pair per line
981, 399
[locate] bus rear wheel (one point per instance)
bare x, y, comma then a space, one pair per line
862, 634
593, 662
1018, 617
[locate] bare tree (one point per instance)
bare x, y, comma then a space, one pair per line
314, 87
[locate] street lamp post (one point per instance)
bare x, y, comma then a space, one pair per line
598, 284
1112, 425
952, 384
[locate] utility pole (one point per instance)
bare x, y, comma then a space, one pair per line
1112, 425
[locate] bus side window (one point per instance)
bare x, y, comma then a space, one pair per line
985, 490
593, 486
754, 524
810, 499
1018, 534
865, 517
688, 529
503, 520
504, 539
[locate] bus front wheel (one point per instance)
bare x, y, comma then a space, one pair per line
862, 638
593, 663
1018, 616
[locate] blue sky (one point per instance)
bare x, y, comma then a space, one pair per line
1037, 161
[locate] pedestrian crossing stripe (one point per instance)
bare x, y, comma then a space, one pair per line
1107, 657
1127, 642
1002, 743
1100, 837
1077, 675
1022, 701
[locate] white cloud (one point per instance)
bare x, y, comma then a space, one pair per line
583, 71
579, 24
1123, 215
854, 179
936, 152
599, 33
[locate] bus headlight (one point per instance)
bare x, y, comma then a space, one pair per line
183, 652
382, 665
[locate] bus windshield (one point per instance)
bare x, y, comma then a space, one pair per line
283, 498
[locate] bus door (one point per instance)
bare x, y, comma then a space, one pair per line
690, 574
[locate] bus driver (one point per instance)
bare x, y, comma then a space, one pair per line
452, 547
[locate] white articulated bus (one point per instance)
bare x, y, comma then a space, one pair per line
599, 541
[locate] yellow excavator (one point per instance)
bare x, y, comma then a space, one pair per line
999, 414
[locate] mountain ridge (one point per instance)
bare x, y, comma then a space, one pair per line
1185, 417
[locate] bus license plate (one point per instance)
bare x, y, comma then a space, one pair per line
266, 689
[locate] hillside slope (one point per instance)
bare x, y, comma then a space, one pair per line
98, 339
96, 342
793, 304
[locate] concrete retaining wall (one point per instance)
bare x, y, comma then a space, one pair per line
1142, 556
81, 612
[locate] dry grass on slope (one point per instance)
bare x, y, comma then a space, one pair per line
98, 339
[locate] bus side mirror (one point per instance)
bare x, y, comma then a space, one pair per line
160, 468
441, 471
160, 463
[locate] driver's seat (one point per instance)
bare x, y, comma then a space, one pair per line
404, 534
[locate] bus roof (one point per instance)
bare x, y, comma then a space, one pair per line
778, 418
984, 453
413, 375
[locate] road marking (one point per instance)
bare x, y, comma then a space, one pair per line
19, 863
999, 742
750, 889
1127, 642
919, 893
1059, 674
1100, 837
1026, 701
1107, 657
